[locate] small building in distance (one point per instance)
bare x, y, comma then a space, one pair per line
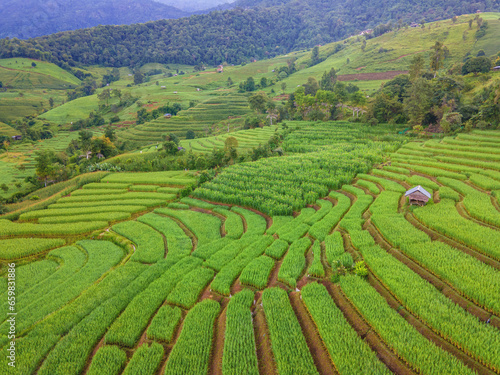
167, 115
418, 195
17, 137
220, 69
496, 67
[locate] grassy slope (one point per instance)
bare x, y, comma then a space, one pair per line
42, 67
7, 130
24, 154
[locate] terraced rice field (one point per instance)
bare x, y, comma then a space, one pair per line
201, 118
20, 163
247, 139
205, 287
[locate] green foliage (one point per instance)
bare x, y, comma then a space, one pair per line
19, 229
15, 248
277, 249
191, 353
316, 269
334, 247
164, 324
447, 318
127, 329
287, 341
294, 262
239, 355
228, 274
257, 272
178, 242
444, 218
402, 337
108, 360
323, 227
150, 246
188, 290
146, 360
205, 227
347, 350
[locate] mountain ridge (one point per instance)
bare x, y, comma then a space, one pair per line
32, 18
233, 36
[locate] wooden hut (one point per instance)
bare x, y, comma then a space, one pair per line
418, 195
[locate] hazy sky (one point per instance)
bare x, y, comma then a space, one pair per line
190, 5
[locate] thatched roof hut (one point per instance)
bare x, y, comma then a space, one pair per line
418, 195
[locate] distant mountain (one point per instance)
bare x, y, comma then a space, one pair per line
254, 29
196, 5
31, 18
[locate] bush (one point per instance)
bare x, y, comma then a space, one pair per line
476, 65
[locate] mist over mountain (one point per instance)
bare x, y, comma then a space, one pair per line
31, 18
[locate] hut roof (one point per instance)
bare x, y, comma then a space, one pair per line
420, 189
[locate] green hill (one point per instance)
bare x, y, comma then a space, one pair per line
253, 30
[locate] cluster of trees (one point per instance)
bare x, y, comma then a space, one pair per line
268, 29
171, 156
314, 100
59, 166
422, 99
143, 115
30, 128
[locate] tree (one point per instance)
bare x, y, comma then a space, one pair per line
476, 65
170, 148
230, 147
190, 134
33, 64
248, 85
311, 87
230, 143
437, 57
104, 95
418, 102
44, 165
283, 87
117, 93
138, 77
51, 102
454, 19
363, 45
258, 101
315, 56
263, 82
110, 133
416, 67
328, 80
229, 81
84, 140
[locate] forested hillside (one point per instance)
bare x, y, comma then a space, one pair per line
235, 35
31, 18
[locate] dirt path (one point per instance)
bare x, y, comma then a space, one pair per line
365, 332
263, 342
188, 232
449, 241
319, 353
218, 345
425, 330
447, 289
